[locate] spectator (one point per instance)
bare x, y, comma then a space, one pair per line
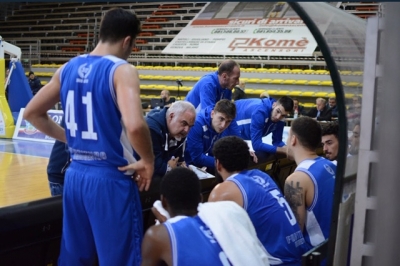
332, 105
102, 215
297, 108
239, 91
215, 86
208, 226
321, 112
259, 117
166, 98
34, 83
309, 189
355, 139
258, 194
330, 141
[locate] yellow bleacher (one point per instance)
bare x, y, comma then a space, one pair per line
321, 94
265, 81
295, 93
326, 83
281, 92
301, 82
313, 82
276, 81
307, 94
289, 81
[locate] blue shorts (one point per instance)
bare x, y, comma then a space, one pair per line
103, 215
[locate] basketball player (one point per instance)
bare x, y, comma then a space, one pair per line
103, 121
309, 189
187, 238
257, 193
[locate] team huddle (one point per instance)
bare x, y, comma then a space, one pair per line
116, 153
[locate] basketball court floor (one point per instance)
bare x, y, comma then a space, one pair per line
23, 176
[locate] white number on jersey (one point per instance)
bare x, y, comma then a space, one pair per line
281, 200
70, 123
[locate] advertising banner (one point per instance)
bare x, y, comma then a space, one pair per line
255, 36
26, 131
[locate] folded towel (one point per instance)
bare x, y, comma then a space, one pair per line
234, 231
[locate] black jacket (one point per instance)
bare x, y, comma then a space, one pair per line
163, 146
35, 85
325, 115
238, 94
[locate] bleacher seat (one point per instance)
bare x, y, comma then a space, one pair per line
307, 93
301, 82
321, 72
326, 83
353, 84
276, 81
308, 71
281, 92
297, 71
321, 94
308, 105
295, 93
289, 81
264, 81
253, 80
313, 82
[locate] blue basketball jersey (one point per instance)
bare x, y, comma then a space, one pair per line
272, 217
193, 243
322, 173
94, 130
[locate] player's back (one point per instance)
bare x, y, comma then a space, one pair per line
193, 243
93, 123
322, 173
272, 217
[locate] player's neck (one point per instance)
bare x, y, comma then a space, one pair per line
304, 154
103, 49
225, 174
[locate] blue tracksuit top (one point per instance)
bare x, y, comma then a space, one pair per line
207, 91
201, 139
253, 119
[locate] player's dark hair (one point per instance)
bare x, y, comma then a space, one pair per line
308, 131
181, 188
232, 152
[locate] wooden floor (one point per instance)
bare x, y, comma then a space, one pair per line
23, 175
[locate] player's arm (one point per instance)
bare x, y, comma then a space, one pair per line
36, 110
126, 83
297, 189
226, 190
195, 147
156, 246
256, 132
277, 138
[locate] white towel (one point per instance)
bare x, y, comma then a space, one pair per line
234, 231
158, 205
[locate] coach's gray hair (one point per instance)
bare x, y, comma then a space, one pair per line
180, 107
